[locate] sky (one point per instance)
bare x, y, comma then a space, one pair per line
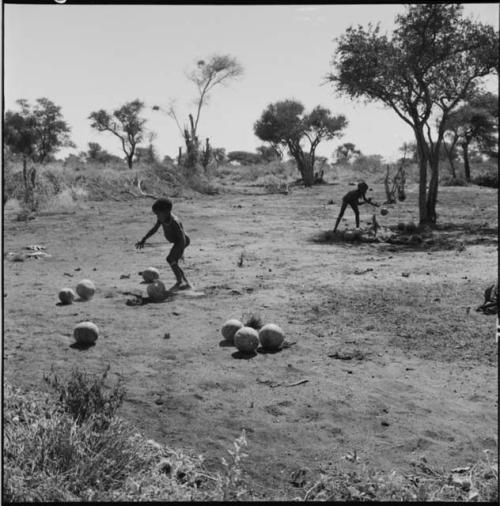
90, 57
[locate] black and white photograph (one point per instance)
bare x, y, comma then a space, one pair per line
250, 252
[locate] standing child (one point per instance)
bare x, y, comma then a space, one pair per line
351, 199
174, 232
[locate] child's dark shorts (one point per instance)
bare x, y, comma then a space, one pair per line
177, 251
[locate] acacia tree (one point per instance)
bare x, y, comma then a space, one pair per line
434, 59
345, 153
217, 70
125, 123
475, 121
285, 124
35, 133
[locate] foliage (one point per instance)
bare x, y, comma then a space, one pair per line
96, 154
476, 121
37, 131
125, 123
434, 59
244, 157
286, 124
346, 153
219, 69
83, 396
269, 153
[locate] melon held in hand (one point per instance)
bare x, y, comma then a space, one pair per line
246, 340
86, 333
230, 328
85, 289
271, 337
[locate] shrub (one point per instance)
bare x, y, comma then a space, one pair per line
83, 396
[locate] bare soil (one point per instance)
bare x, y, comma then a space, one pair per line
398, 367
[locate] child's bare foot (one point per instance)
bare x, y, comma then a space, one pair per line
175, 287
185, 286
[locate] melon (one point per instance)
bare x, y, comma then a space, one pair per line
384, 211
66, 296
401, 226
246, 340
85, 289
271, 337
150, 274
230, 328
349, 235
86, 333
156, 290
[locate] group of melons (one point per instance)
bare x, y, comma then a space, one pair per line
156, 288
247, 339
85, 289
85, 333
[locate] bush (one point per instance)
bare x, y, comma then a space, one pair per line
83, 396
489, 180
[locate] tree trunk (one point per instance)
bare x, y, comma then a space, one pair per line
130, 162
422, 185
465, 148
179, 156
433, 190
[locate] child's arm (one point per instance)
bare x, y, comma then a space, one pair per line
140, 244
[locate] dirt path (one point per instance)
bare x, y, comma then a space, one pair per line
423, 377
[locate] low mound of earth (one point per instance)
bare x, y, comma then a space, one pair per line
390, 359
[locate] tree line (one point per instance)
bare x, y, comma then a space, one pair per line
429, 71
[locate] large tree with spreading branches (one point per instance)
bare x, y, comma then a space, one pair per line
286, 124
434, 59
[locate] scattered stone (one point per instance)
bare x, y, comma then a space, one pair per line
405, 274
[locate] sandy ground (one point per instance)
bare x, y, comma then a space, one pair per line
423, 378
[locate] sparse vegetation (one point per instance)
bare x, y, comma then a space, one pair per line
55, 454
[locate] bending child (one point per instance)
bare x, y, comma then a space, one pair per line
174, 233
351, 199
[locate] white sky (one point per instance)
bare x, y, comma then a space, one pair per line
88, 57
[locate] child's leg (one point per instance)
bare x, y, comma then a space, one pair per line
173, 260
342, 209
356, 213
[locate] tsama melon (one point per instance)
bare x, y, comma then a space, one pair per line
349, 235
384, 211
156, 290
246, 340
411, 228
271, 337
357, 233
85, 289
150, 274
86, 333
230, 328
66, 296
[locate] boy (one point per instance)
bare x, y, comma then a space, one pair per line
351, 199
174, 232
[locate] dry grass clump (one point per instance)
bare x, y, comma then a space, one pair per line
474, 483
60, 450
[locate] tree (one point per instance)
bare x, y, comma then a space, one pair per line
125, 123
434, 59
474, 122
285, 124
269, 153
217, 70
345, 153
35, 133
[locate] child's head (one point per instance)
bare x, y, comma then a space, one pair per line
162, 208
362, 187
